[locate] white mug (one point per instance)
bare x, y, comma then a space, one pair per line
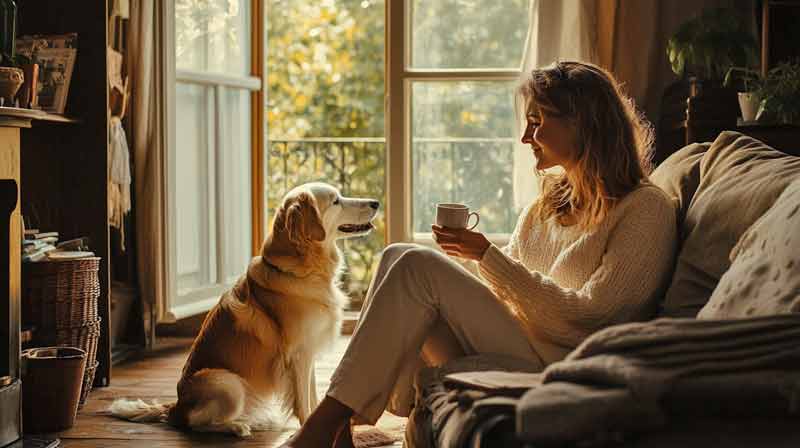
455, 216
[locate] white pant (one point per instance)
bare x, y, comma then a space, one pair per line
419, 296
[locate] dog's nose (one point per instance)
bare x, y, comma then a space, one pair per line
374, 204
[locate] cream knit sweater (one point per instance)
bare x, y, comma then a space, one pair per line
565, 284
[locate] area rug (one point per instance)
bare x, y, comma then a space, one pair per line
388, 431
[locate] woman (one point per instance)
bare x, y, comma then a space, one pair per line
596, 249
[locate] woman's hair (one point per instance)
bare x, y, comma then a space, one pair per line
612, 139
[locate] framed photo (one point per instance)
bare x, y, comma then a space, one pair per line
56, 56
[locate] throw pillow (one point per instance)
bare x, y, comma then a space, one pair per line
764, 277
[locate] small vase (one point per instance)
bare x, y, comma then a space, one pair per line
27, 94
749, 103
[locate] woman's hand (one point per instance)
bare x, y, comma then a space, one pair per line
461, 242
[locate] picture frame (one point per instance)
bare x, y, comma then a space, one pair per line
56, 56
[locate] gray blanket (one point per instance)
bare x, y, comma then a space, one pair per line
631, 378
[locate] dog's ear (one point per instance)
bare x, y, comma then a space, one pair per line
303, 223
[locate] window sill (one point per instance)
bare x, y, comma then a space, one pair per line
426, 239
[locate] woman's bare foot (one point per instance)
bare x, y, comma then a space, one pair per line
322, 427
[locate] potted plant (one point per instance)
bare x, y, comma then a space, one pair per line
706, 46
750, 90
780, 93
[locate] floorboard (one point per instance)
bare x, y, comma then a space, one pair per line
154, 376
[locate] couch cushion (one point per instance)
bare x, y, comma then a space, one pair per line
764, 277
739, 179
679, 175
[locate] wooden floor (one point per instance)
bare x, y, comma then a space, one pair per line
154, 376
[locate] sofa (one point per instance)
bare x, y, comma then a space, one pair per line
719, 365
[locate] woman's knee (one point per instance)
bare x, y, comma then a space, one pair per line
393, 251
420, 257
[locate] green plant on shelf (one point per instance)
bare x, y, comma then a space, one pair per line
707, 45
16, 60
750, 80
780, 93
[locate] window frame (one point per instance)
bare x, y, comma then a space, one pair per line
397, 97
204, 298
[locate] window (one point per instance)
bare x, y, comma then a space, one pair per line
325, 108
451, 110
209, 150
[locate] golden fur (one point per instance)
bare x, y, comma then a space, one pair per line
260, 340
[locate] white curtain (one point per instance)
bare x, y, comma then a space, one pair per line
559, 30
144, 40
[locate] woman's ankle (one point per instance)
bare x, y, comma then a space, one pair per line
323, 425
344, 439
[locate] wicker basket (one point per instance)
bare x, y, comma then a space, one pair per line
85, 337
60, 299
88, 381
61, 294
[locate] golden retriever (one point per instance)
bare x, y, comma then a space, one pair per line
259, 342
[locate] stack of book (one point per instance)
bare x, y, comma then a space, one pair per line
37, 244
44, 246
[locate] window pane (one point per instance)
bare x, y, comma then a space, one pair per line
325, 110
234, 180
325, 68
193, 202
468, 33
213, 36
462, 151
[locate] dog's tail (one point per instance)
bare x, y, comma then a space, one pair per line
139, 411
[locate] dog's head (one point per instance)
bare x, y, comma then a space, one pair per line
315, 215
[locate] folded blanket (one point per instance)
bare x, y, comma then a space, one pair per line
630, 377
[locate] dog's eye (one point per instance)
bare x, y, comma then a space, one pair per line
336, 201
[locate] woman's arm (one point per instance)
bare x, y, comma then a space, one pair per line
637, 262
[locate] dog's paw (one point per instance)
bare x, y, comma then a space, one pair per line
240, 429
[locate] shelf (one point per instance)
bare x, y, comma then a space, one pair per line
57, 118
21, 115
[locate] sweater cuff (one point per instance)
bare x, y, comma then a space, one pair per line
492, 260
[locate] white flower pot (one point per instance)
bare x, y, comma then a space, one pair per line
749, 103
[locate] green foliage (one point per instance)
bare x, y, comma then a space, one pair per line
750, 79
780, 93
709, 44
325, 68
17, 60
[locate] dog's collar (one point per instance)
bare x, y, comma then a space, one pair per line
272, 266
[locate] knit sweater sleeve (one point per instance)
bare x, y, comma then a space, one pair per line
636, 263
512, 248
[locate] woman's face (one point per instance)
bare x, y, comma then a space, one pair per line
552, 139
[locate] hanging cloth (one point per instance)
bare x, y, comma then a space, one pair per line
119, 178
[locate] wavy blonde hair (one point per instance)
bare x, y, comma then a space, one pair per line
614, 141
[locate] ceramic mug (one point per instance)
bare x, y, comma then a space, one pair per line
455, 216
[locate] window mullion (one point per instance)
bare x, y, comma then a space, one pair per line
211, 191
461, 75
398, 185
219, 179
